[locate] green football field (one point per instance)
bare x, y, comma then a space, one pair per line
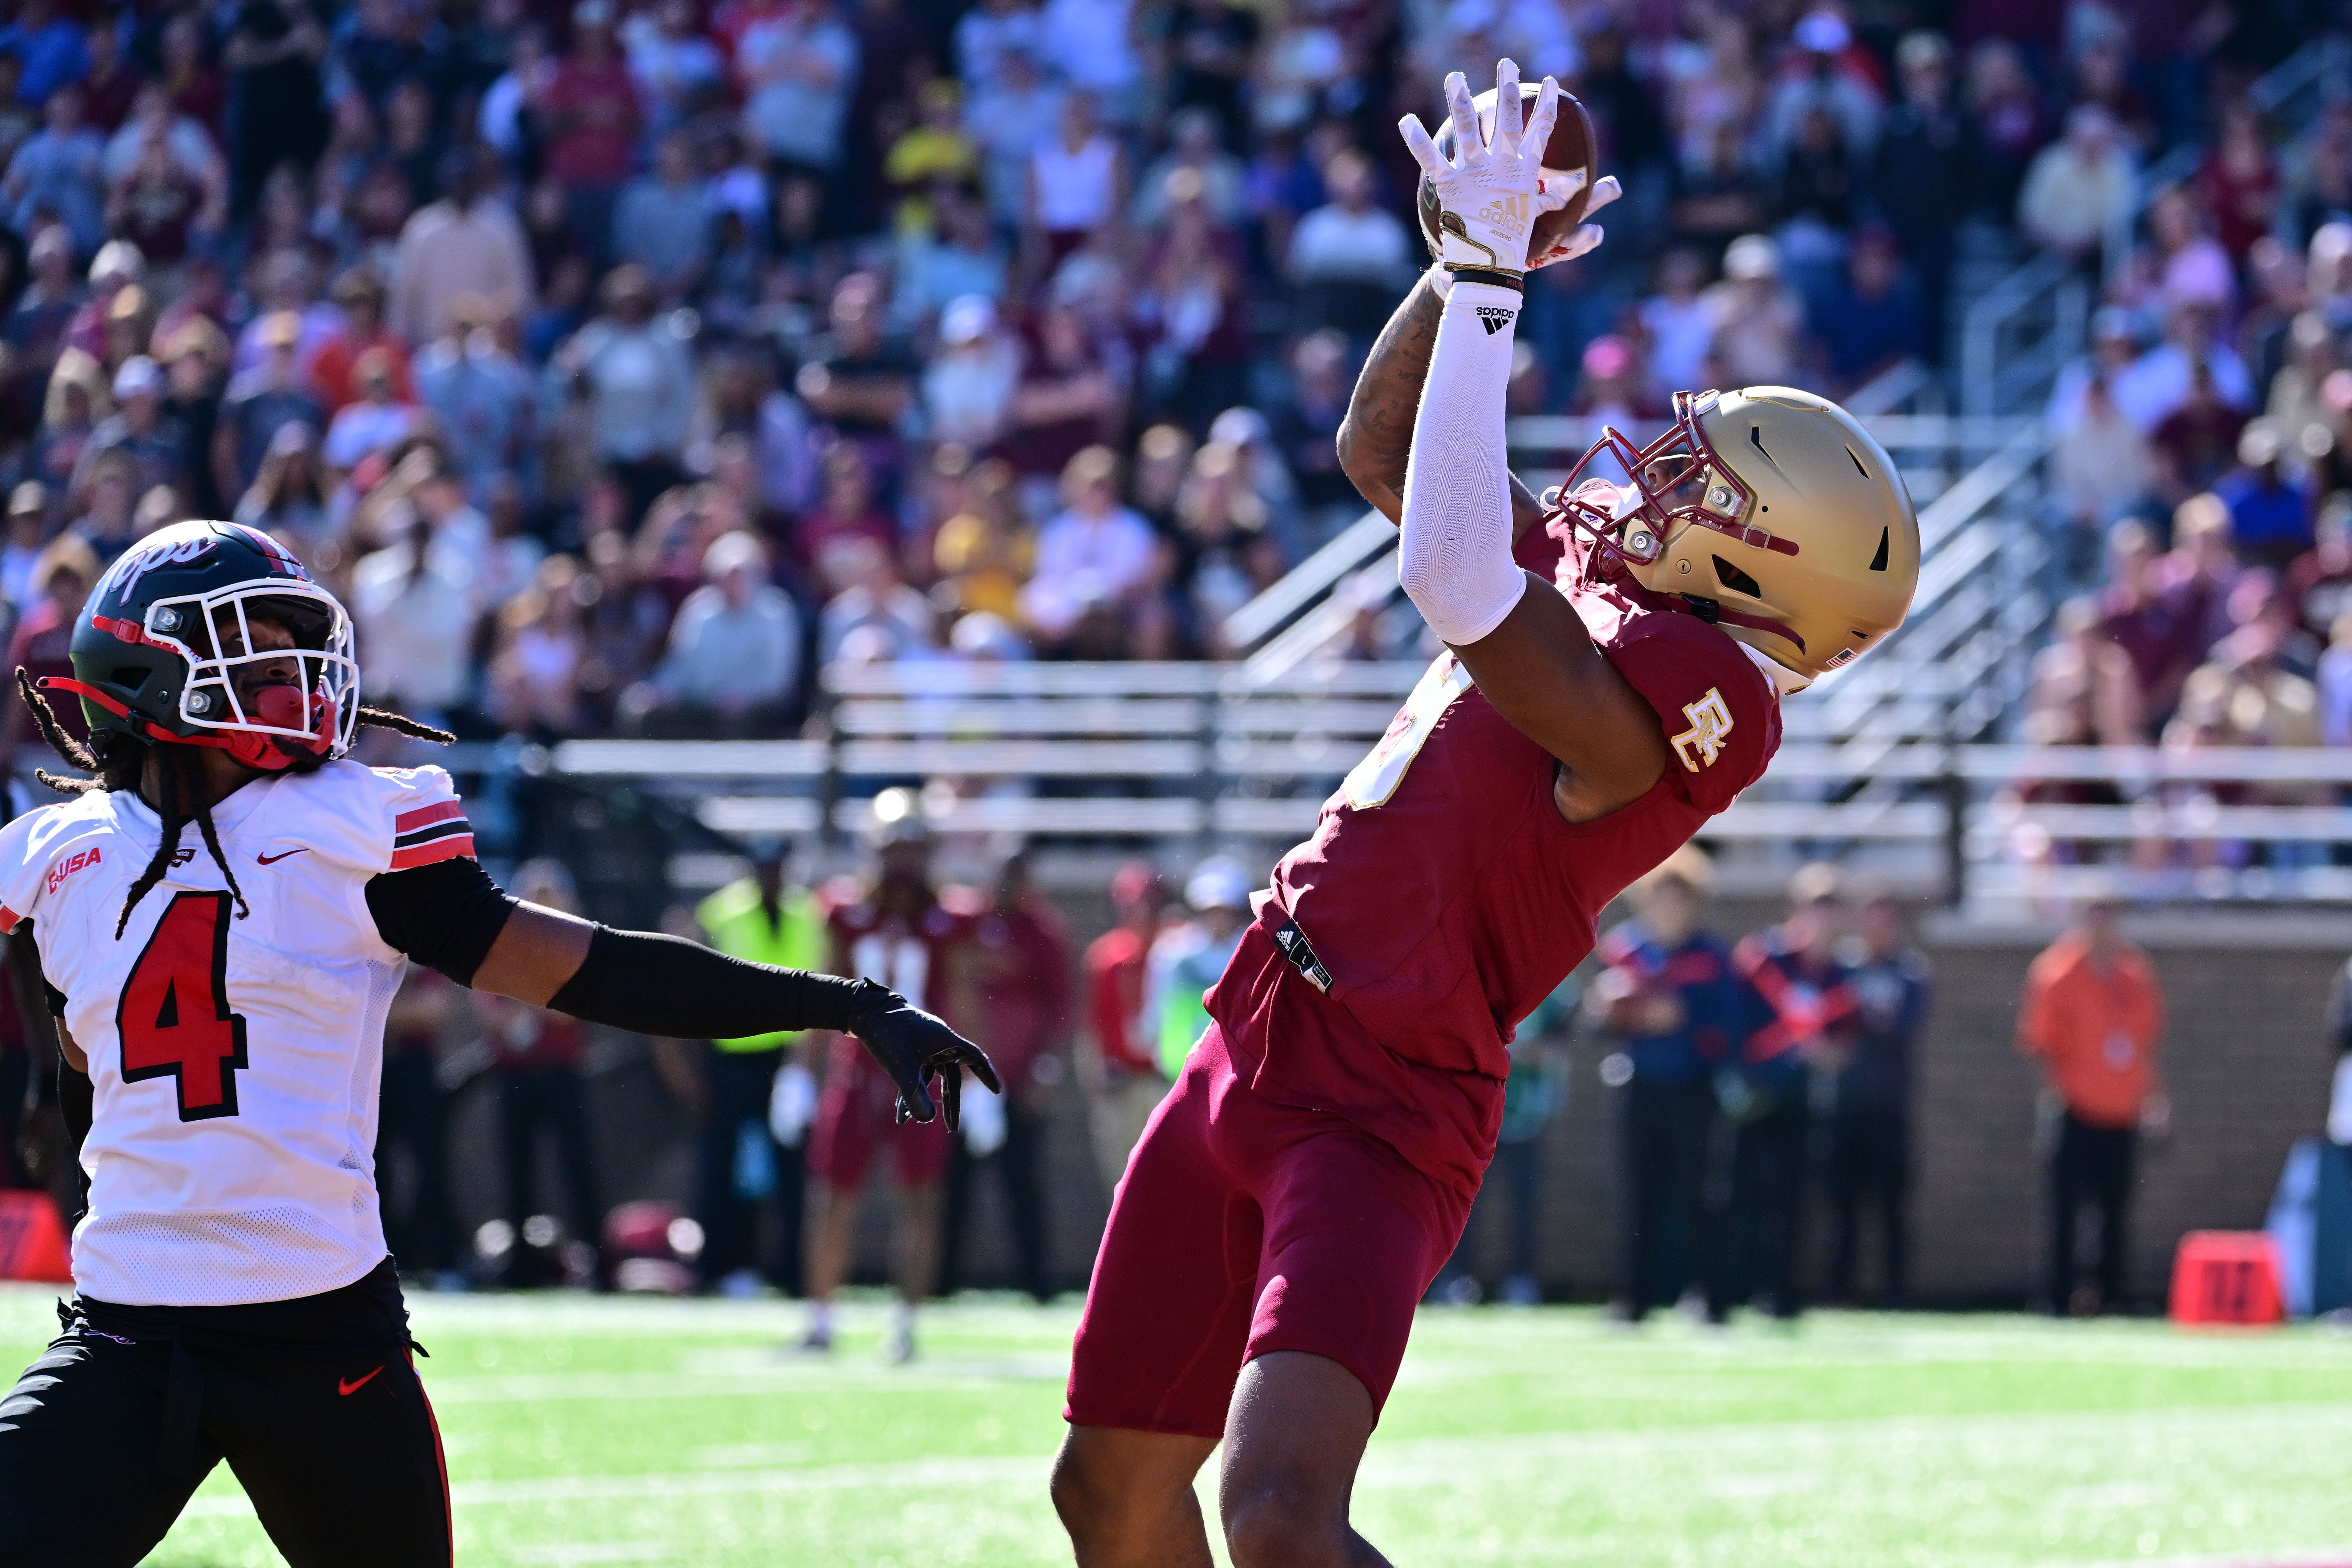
620, 1431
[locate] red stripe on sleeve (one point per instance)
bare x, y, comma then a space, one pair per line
426, 816
9, 920
426, 853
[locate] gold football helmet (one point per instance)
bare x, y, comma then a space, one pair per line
1770, 511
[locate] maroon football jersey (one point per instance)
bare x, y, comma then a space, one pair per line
911, 959
1445, 896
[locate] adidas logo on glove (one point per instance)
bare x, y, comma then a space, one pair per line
1507, 214
1495, 318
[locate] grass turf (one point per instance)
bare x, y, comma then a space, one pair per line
588, 1431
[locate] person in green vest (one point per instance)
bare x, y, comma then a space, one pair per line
1188, 959
744, 1158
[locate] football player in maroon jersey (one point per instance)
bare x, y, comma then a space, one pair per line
1608, 686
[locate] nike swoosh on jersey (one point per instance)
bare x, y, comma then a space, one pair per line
273, 859
348, 1385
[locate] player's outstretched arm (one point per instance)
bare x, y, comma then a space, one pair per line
459, 922
1523, 644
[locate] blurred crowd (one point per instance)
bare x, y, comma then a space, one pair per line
2202, 470
623, 364
2202, 511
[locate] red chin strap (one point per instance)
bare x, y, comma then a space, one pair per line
280, 705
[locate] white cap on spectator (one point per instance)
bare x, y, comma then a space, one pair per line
138, 374
1219, 883
731, 550
968, 319
1922, 49
1822, 32
2262, 441
981, 635
1240, 427
118, 258
1752, 257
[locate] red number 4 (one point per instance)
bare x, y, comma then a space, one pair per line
173, 1017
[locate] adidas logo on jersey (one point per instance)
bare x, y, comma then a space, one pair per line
1495, 318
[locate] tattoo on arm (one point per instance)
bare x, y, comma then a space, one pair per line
1376, 437
1377, 434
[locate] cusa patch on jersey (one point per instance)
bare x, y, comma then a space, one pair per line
74, 862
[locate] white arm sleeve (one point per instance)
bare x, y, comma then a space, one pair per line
1454, 559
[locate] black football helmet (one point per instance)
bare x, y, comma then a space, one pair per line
169, 627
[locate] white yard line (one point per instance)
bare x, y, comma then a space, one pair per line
1419, 1463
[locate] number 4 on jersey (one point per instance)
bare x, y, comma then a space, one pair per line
173, 1017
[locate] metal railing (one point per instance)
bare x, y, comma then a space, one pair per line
2020, 333
1229, 763
1093, 759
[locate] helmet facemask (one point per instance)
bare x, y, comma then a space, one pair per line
314, 715
1676, 480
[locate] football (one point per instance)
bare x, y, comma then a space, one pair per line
1573, 146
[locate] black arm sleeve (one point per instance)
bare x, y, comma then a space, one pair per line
654, 985
445, 915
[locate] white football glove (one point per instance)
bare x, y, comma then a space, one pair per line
1490, 195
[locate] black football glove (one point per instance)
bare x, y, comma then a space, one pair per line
913, 1048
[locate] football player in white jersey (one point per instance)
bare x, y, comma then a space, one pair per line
225, 999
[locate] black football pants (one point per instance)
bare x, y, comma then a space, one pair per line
103, 1440
1663, 1147
2093, 1164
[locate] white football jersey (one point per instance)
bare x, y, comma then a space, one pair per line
236, 1061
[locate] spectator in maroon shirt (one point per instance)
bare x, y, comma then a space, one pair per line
110, 84
824, 541
1067, 399
39, 645
2202, 568
2198, 442
591, 120
2240, 182
1023, 973
2157, 631
1121, 1069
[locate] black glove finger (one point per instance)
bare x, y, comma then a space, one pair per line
914, 1096
981, 1068
952, 1098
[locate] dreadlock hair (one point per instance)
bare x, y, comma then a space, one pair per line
117, 761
